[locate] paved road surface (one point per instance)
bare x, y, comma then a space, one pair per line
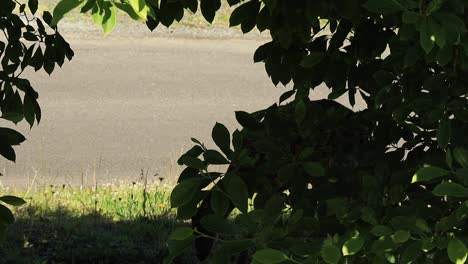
123, 105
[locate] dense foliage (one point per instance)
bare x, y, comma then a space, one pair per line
25, 43
311, 182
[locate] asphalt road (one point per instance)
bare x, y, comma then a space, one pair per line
123, 105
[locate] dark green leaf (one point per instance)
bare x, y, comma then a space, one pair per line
192, 162
219, 202
29, 109
246, 120
412, 56
457, 251
222, 138
352, 246
109, 18
152, 23
214, 157
7, 152
181, 233
88, 6
411, 17
12, 200
194, 152
389, 6
450, 189
176, 248
445, 55
286, 95
381, 230
401, 236
6, 216
411, 252
449, 158
62, 8
312, 59
237, 191
126, 8
209, 8
444, 132
426, 37
383, 244
461, 156
217, 224
184, 192
10, 136
243, 12
428, 174
433, 6
269, 256
300, 111
32, 4
186, 211
331, 254
314, 169
12, 107
235, 247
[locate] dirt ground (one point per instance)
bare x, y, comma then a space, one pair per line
130, 103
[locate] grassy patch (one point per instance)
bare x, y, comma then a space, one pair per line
115, 223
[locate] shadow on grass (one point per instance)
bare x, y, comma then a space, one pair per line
61, 237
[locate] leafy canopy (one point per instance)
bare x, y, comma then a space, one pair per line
312, 182
27, 43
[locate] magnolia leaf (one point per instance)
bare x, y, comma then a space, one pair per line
181, 233
238, 194
214, 157
139, 7
381, 230
411, 252
219, 202
184, 192
6, 216
314, 169
12, 200
33, 5
401, 236
331, 254
176, 248
461, 156
389, 6
300, 112
444, 132
217, 224
457, 251
62, 8
221, 137
109, 18
209, 8
192, 162
429, 173
269, 256
352, 246
426, 38
450, 189
312, 59
128, 9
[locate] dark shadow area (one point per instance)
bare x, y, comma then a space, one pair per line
61, 237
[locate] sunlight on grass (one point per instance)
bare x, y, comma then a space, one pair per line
113, 223
117, 201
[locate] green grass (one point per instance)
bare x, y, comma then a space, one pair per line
115, 223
